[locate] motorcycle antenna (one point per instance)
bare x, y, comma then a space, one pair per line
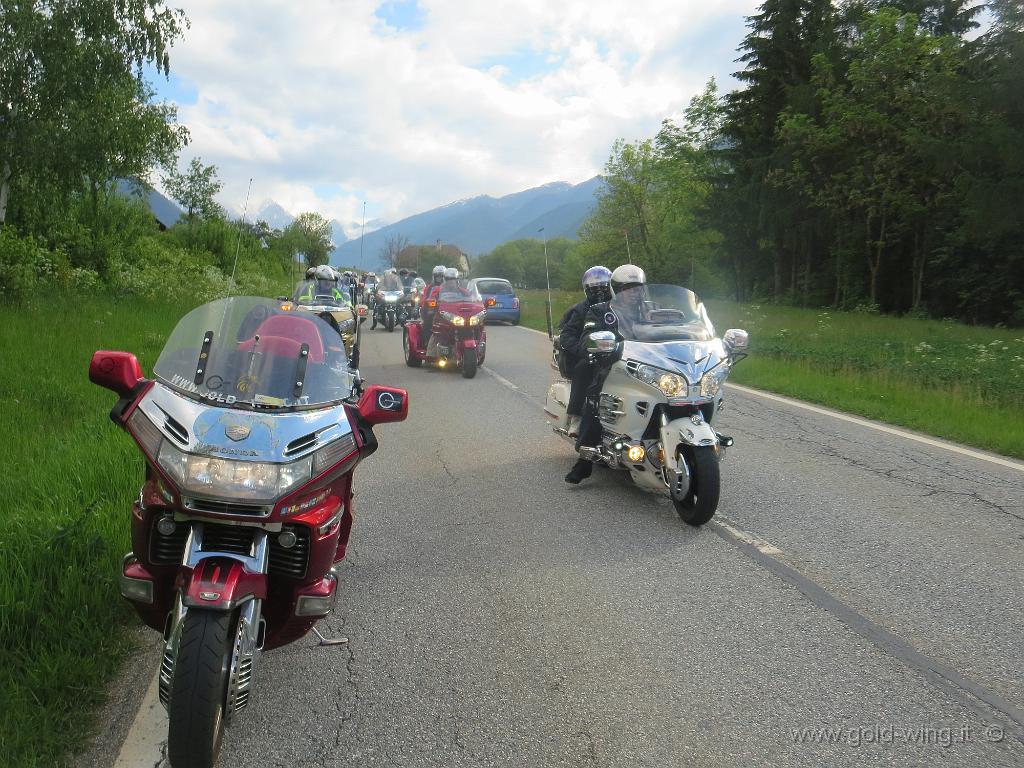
238, 243
629, 256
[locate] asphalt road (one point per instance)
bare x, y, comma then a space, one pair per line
853, 580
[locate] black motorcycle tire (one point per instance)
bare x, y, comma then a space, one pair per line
700, 503
412, 362
389, 323
469, 365
199, 688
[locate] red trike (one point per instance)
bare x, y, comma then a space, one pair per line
457, 338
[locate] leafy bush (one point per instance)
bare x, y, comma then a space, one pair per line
25, 265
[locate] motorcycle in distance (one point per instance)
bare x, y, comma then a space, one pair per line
458, 338
660, 377
250, 438
319, 298
389, 294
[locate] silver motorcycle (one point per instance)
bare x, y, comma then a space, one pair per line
660, 370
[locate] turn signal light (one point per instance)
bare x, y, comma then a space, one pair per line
635, 453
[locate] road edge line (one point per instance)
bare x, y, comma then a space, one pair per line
144, 743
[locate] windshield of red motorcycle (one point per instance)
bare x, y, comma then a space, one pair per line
459, 292
660, 313
248, 352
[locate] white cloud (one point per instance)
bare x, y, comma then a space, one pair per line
325, 105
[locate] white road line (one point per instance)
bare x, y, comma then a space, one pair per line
963, 451
501, 379
882, 428
144, 745
531, 330
763, 546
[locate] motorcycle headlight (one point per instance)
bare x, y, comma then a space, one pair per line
712, 381
391, 299
230, 479
458, 321
477, 318
671, 384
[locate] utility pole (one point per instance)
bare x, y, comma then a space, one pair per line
547, 279
362, 229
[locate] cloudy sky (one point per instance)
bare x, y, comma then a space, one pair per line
410, 104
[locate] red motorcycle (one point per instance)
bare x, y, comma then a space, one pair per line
250, 437
457, 336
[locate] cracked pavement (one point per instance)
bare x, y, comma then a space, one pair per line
498, 617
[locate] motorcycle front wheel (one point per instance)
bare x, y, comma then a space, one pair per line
469, 365
410, 360
199, 688
390, 323
699, 505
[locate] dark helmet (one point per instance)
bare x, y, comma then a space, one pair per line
597, 284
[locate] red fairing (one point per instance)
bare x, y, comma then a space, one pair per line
468, 343
415, 331
220, 583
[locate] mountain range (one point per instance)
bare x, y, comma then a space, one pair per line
481, 223
476, 225
278, 218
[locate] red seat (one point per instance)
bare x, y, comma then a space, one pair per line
284, 334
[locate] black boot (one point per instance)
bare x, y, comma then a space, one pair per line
580, 471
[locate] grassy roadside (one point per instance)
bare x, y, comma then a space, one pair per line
963, 383
69, 483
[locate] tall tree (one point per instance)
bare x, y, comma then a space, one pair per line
784, 37
58, 59
196, 189
393, 246
310, 235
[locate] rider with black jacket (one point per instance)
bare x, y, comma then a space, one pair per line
576, 362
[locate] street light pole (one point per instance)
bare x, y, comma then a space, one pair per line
547, 279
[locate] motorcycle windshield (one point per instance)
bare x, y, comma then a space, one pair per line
657, 313
459, 292
249, 352
321, 293
390, 283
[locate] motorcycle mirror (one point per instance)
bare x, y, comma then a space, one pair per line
601, 341
282, 298
383, 404
736, 340
117, 371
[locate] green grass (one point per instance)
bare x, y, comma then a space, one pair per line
68, 483
960, 382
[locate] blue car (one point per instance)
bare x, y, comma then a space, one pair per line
499, 298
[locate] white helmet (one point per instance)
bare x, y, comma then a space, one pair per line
627, 276
451, 274
325, 272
